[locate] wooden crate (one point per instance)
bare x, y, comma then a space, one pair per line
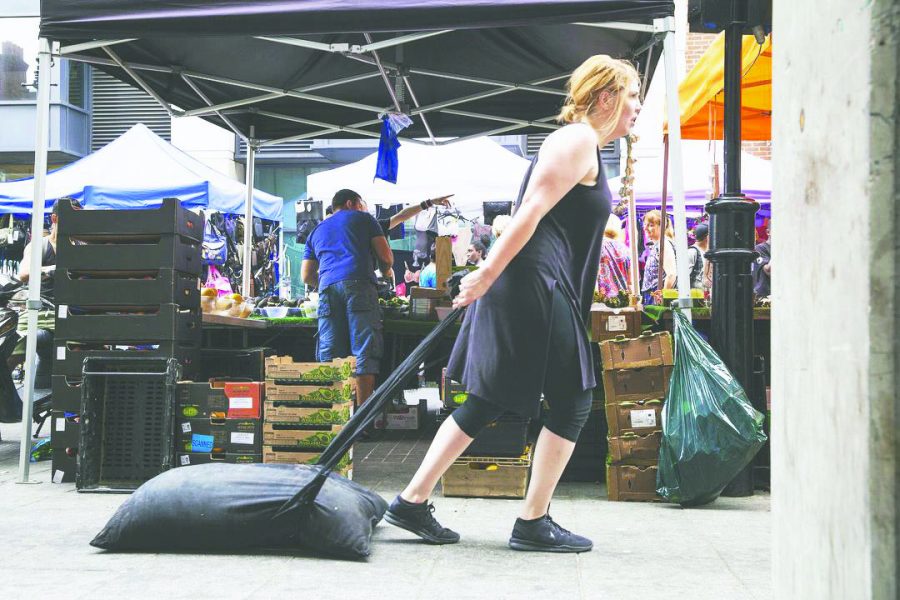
631, 483
283, 368
646, 350
488, 477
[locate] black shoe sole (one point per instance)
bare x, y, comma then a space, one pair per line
526, 546
403, 524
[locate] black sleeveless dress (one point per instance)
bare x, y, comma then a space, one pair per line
501, 353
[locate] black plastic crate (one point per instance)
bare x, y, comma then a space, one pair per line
64, 431
127, 422
507, 436
120, 252
63, 466
66, 393
170, 218
98, 288
69, 356
125, 323
245, 363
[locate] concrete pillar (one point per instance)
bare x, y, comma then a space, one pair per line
834, 345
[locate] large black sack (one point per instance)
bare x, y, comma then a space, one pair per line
231, 507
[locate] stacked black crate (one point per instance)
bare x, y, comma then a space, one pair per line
127, 284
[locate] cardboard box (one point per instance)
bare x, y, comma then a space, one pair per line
634, 449
646, 350
488, 477
608, 323
410, 415
64, 432
622, 385
638, 417
219, 400
295, 456
299, 436
278, 411
283, 368
453, 393
312, 395
631, 483
186, 459
228, 436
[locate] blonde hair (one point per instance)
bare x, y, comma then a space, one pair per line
613, 229
597, 74
500, 223
655, 217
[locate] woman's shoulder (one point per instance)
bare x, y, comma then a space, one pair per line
579, 134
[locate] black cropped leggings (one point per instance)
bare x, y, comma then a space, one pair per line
569, 404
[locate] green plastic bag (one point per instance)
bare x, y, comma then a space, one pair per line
710, 429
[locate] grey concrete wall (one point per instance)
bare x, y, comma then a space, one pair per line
834, 354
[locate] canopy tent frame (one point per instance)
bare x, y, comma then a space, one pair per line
662, 29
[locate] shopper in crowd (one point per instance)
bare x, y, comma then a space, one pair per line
652, 270
339, 259
525, 332
762, 267
428, 274
701, 269
615, 261
475, 254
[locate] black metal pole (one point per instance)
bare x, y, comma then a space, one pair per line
732, 240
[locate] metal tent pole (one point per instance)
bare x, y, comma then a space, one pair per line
732, 238
677, 168
247, 268
37, 227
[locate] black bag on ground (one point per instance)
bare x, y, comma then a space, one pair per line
227, 507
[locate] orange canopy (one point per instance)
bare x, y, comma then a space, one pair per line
701, 94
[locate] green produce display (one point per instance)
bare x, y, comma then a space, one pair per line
320, 417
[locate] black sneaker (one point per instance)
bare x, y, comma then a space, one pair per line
544, 535
417, 518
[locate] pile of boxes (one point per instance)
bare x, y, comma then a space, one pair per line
126, 284
218, 421
497, 464
636, 374
306, 406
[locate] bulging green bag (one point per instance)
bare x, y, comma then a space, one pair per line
710, 429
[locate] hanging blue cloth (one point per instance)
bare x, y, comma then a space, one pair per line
388, 162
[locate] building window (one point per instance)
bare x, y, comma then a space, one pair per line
18, 58
77, 84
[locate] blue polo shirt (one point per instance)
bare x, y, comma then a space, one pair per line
342, 244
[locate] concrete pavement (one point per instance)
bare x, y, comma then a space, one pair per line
642, 551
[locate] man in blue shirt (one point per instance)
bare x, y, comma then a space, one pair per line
340, 260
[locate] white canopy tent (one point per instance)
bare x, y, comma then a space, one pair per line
477, 170
100, 39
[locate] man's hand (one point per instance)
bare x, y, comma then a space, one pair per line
442, 201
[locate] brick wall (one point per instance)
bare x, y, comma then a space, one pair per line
697, 44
